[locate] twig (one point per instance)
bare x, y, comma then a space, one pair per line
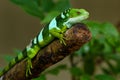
72, 65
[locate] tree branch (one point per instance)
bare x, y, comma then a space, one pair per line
51, 54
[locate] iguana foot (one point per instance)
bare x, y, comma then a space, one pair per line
58, 34
29, 67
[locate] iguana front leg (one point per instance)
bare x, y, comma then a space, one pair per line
58, 34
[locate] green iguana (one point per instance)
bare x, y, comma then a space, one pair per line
55, 29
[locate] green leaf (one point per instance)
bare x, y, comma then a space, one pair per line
41, 77
61, 5
118, 49
8, 58
41, 8
111, 67
47, 5
50, 16
75, 71
17, 52
94, 27
106, 70
30, 6
104, 77
109, 29
89, 65
85, 77
105, 28
115, 57
112, 31
56, 70
104, 37
107, 48
83, 50
118, 67
1, 69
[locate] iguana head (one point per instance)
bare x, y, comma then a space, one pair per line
74, 16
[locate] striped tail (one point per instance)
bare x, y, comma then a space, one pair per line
17, 59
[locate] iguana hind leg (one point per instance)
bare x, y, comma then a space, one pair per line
29, 67
31, 53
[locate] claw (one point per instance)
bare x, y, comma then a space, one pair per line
62, 40
29, 67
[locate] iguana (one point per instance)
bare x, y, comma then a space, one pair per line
54, 29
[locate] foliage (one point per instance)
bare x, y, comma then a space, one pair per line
104, 48
45, 10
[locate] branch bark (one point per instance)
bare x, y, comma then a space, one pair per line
77, 36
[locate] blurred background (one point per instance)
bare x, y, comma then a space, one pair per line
17, 28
